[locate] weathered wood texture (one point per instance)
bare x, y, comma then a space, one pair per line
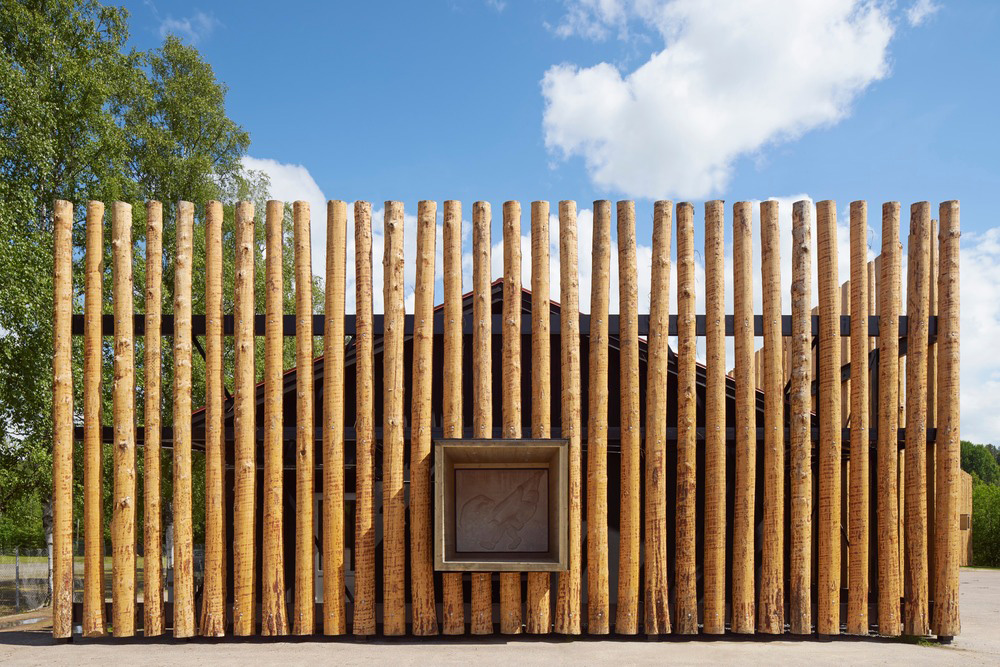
932, 360
93, 491
538, 605
482, 380
946, 535
857, 595
123, 517
627, 615
274, 615
452, 606
746, 430
685, 573
364, 529
393, 500
152, 574
510, 381
421, 524
334, 342
917, 609
771, 600
800, 424
714, 614
828, 543
598, 604
568, 612
62, 413
888, 422
184, 623
245, 468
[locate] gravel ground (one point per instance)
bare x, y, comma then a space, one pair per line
979, 643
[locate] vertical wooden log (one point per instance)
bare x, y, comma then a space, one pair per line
746, 427
598, 605
62, 411
93, 531
538, 607
364, 530
213, 606
917, 614
245, 473
183, 529
888, 424
152, 535
305, 445
828, 589
857, 596
393, 500
453, 605
334, 342
800, 423
657, 610
685, 573
510, 368
932, 359
482, 382
946, 536
771, 605
714, 567
627, 616
421, 523
274, 618
123, 519
568, 595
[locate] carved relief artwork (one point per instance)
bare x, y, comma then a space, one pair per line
501, 510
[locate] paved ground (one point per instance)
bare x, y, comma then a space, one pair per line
979, 643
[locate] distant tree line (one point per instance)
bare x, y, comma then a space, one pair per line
983, 463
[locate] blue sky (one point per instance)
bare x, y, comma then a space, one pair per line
639, 99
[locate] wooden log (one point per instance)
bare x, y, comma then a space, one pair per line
656, 593
932, 359
771, 604
627, 616
685, 576
828, 588
568, 596
213, 606
453, 605
538, 607
62, 412
123, 518
421, 523
917, 609
364, 529
888, 424
857, 595
334, 343
244, 400
946, 550
393, 444
510, 369
305, 446
93, 530
482, 383
183, 528
800, 425
598, 605
714, 568
274, 616
746, 428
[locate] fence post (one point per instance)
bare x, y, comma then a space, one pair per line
714, 621
17, 580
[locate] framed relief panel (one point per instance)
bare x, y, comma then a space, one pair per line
500, 505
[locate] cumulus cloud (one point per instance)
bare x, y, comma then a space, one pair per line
732, 78
192, 29
920, 11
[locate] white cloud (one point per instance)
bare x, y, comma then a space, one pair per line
920, 11
192, 28
497, 5
733, 78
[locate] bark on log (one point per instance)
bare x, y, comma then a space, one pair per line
714, 621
